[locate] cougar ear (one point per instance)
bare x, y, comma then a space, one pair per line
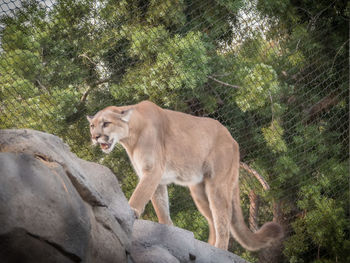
126, 115
89, 118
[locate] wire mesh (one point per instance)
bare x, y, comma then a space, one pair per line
278, 81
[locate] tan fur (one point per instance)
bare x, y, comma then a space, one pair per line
172, 147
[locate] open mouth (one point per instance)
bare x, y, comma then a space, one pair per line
108, 146
105, 146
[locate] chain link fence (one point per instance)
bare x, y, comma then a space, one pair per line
275, 73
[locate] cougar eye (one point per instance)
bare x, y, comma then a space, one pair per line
105, 124
92, 126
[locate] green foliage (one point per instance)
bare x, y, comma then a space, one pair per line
252, 96
174, 64
273, 137
281, 88
322, 223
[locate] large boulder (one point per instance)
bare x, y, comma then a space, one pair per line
55, 207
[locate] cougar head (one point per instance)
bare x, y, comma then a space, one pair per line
108, 127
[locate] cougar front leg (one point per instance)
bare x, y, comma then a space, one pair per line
160, 202
145, 189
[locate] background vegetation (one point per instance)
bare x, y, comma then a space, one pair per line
274, 72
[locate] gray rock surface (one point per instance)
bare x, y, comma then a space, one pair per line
55, 207
55, 203
176, 242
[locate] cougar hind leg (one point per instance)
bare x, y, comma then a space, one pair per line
221, 209
201, 200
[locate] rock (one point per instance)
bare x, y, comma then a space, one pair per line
143, 253
55, 207
180, 243
40, 201
209, 254
177, 241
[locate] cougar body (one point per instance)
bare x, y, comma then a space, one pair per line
167, 147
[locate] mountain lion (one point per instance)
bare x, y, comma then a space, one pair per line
167, 147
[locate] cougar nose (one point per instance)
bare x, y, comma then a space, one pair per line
96, 136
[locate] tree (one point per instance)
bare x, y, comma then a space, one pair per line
273, 72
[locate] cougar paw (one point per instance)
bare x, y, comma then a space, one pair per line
137, 214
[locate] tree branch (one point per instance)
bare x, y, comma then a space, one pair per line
251, 171
324, 104
338, 53
42, 86
223, 83
253, 211
94, 85
81, 107
86, 56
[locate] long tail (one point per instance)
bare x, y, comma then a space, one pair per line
269, 234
